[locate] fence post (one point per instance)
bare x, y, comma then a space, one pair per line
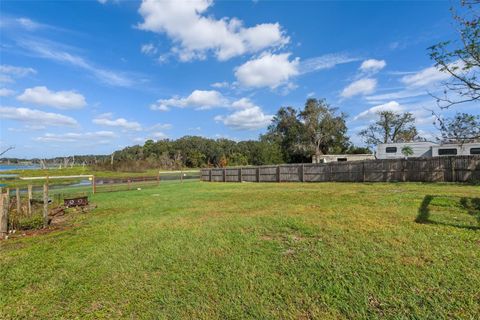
301, 174
452, 164
17, 195
128, 181
29, 205
224, 175
45, 205
278, 174
240, 178
158, 178
257, 173
3, 215
363, 171
210, 175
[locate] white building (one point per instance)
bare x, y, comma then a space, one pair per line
326, 158
426, 149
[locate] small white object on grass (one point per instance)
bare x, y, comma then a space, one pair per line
139, 189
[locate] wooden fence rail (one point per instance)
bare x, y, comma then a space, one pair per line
438, 169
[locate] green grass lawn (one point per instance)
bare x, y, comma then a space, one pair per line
260, 251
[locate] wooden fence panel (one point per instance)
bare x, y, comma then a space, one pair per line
439, 169
290, 173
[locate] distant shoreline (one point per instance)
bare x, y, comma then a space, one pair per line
5, 167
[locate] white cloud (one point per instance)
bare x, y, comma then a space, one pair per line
8, 73
161, 126
149, 49
372, 112
158, 135
396, 95
36, 117
59, 99
269, 70
326, 61
28, 23
4, 92
16, 71
362, 86
372, 65
97, 137
199, 99
56, 52
249, 117
425, 77
106, 120
220, 85
195, 33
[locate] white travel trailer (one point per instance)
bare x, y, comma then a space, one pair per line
456, 149
426, 149
394, 150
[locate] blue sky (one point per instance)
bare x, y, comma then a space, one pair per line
90, 77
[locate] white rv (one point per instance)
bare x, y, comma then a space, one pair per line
456, 149
394, 150
426, 149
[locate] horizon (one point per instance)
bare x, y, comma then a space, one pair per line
80, 78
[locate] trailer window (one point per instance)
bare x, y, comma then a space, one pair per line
341, 159
391, 149
474, 150
447, 152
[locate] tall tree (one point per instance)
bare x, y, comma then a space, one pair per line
288, 132
461, 128
325, 131
391, 127
461, 58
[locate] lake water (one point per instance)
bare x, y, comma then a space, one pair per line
4, 167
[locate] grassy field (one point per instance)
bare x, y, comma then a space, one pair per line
260, 251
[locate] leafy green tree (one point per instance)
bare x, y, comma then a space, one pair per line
288, 132
391, 127
324, 130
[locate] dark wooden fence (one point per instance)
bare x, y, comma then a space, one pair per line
438, 169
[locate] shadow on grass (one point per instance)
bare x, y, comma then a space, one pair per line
471, 205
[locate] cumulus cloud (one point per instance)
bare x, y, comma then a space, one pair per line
97, 136
36, 117
4, 92
371, 113
220, 85
425, 77
199, 99
59, 99
269, 70
362, 86
106, 120
195, 33
372, 65
248, 116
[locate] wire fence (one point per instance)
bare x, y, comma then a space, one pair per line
33, 206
